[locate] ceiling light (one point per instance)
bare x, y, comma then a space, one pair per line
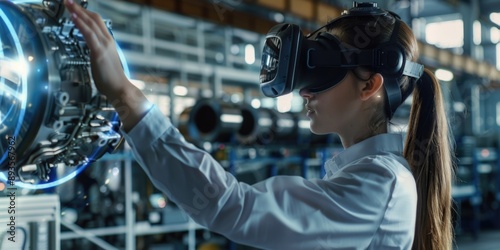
444, 75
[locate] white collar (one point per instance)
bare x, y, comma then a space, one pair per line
375, 145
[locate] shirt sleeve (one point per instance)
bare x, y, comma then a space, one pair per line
282, 212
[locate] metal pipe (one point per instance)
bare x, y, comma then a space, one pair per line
211, 120
216, 121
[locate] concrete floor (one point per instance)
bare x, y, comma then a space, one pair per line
487, 240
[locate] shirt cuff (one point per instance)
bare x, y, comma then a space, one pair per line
149, 128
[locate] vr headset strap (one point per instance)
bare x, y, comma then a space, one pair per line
346, 58
413, 69
393, 95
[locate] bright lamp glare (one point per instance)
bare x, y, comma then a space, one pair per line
284, 103
495, 17
444, 75
303, 124
255, 103
494, 35
180, 90
227, 118
447, 34
498, 55
476, 37
249, 54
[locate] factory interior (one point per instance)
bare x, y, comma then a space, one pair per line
69, 180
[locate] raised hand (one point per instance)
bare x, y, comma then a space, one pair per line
109, 77
107, 70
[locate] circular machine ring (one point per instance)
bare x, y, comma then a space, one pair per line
51, 107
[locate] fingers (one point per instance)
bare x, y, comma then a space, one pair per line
90, 25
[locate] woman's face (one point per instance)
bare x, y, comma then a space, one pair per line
336, 109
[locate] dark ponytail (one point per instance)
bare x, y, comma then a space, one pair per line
428, 152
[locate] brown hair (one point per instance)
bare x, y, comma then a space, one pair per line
427, 146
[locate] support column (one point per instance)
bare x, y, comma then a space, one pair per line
470, 13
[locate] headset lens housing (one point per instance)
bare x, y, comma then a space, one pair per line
270, 59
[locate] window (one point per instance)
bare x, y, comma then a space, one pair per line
447, 34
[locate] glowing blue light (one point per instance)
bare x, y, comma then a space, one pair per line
25, 1
23, 98
123, 60
126, 69
24, 77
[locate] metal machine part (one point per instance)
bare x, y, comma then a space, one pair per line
213, 121
270, 126
217, 121
50, 111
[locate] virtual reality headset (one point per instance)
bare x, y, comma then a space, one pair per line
319, 61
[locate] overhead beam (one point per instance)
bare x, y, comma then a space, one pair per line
459, 63
311, 10
213, 11
318, 11
254, 15
488, 6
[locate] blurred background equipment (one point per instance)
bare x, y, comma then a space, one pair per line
218, 121
36, 222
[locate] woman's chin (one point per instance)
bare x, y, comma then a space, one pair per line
320, 131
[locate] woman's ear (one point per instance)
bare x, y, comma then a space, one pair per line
371, 87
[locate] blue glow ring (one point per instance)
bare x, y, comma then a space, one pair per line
24, 77
83, 166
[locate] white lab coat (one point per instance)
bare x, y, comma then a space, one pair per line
367, 199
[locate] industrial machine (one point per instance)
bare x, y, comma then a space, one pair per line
53, 121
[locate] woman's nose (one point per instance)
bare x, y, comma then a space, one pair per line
305, 93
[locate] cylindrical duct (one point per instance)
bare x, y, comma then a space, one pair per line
251, 126
265, 126
216, 121
211, 120
274, 127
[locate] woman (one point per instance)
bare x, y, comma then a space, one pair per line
376, 194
